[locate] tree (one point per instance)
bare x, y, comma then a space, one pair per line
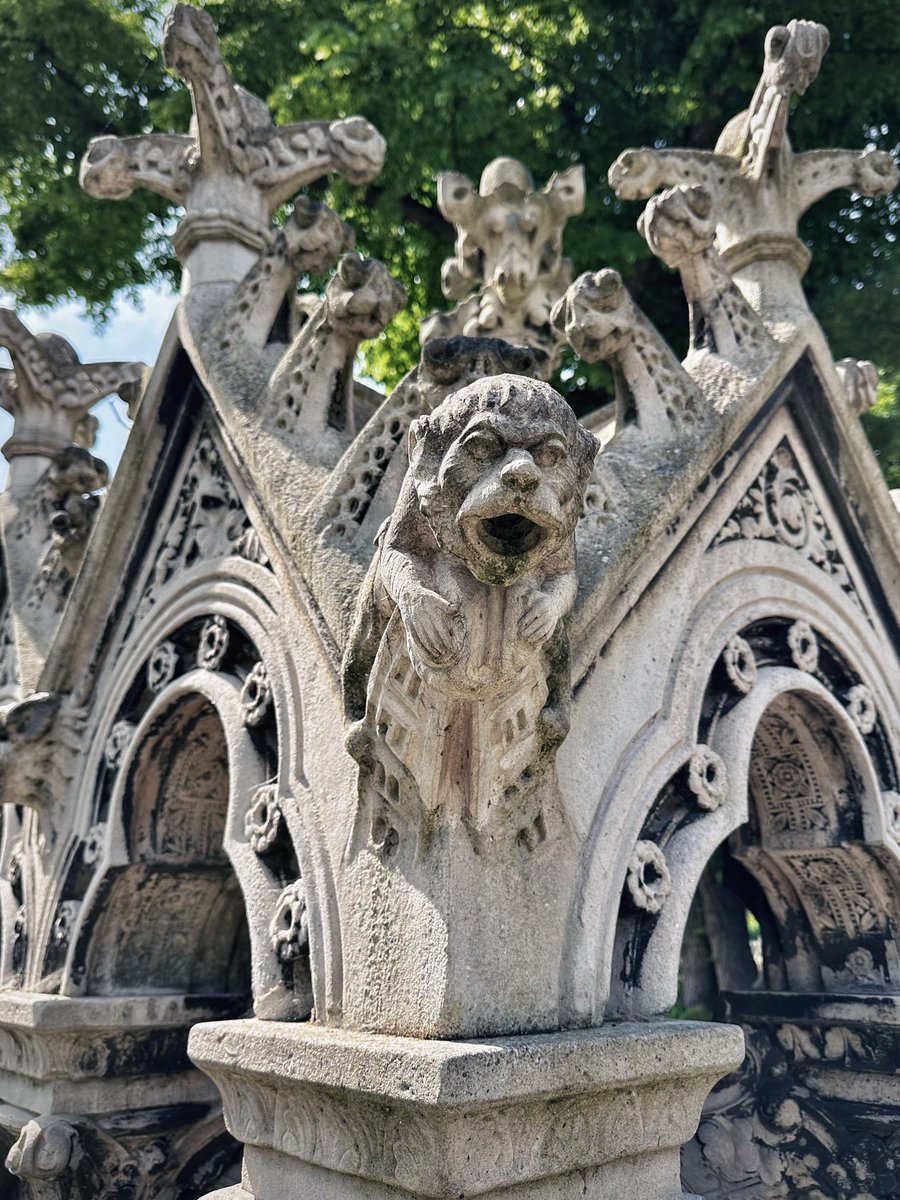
450, 85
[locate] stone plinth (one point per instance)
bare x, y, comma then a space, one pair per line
99, 1054
331, 1113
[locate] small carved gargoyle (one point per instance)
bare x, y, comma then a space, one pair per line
462, 618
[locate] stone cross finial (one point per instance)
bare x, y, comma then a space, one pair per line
759, 187
509, 247
235, 167
49, 394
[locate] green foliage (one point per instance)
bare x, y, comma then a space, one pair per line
882, 425
450, 85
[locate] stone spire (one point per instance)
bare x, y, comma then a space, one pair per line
49, 394
759, 187
235, 167
509, 248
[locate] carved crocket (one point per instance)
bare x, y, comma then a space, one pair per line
467, 697
509, 247
602, 323
759, 187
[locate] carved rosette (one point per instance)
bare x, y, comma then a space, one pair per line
804, 646
161, 666
861, 709
740, 663
648, 880
256, 695
707, 778
213, 644
263, 819
120, 738
289, 929
66, 916
94, 844
891, 802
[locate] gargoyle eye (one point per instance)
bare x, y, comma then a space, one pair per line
481, 447
548, 454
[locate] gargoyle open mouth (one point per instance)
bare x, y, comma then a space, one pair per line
510, 533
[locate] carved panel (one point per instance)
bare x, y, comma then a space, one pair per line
779, 506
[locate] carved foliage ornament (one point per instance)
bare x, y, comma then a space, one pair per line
804, 646
779, 506
256, 695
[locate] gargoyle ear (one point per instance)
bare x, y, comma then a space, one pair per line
456, 197
566, 190
558, 314
417, 431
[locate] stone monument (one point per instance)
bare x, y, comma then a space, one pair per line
366, 772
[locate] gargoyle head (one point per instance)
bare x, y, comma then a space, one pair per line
363, 296
500, 469
508, 233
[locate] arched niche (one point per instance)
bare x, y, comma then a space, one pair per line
172, 918
782, 820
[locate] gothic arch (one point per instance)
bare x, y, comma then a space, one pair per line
735, 601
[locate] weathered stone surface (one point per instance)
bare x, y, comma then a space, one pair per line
509, 248
525, 1116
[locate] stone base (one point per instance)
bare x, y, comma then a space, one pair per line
332, 1115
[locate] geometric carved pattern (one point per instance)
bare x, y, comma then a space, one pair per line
785, 787
779, 507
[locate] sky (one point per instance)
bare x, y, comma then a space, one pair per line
134, 333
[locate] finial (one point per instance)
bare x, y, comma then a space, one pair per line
759, 187
235, 167
49, 393
509, 248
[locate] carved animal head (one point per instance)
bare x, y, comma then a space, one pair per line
449, 364
596, 315
508, 234
500, 469
679, 224
362, 296
794, 54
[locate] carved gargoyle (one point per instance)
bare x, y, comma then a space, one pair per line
364, 487
759, 187
509, 247
680, 228
467, 696
602, 323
